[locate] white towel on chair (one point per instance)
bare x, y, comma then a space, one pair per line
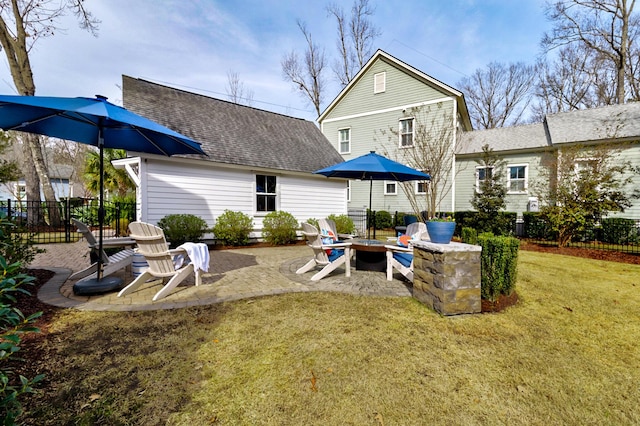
198, 253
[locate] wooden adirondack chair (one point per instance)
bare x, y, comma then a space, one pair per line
111, 264
153, 246
401, 258
340, 254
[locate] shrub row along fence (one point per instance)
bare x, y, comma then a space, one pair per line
50, 222
616, 234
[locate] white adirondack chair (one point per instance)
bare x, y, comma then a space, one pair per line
341, 254
153, 246
111, 264
401, 258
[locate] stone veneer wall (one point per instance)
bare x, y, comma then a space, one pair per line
446, 277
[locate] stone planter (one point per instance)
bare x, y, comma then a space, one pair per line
441, 232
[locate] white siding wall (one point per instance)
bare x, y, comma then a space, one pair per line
207, 191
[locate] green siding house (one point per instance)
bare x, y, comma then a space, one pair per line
382, 109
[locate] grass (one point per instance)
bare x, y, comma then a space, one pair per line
566, 354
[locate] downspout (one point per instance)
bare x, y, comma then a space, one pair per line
453, 157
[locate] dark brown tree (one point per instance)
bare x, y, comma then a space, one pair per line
499, 95
22, 23
606, 27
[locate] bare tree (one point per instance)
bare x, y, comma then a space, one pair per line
307, 75
236, 92
575, 80
22, 23
433, 152
607, 27
499, 95
355, 39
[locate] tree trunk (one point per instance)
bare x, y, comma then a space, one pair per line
43, 175
32, 185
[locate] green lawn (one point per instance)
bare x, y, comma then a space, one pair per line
568, 353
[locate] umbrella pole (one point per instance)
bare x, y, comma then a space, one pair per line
370, 212
99, 284
100, 203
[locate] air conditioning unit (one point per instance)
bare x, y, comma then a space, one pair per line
532, 205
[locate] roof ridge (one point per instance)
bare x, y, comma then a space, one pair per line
166, 85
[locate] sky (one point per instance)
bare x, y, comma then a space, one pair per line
193, 45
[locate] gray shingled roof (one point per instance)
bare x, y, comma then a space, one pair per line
606, 123
615, 122
532, 136
232, 133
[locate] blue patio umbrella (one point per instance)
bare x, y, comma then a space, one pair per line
372, 167
93, 121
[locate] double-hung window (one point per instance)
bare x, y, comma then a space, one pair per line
421, 187
482, 174
344, 141
406, 132
517, 178
390, 187
265, 193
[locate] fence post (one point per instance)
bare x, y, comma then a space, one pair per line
117, 207
67, 220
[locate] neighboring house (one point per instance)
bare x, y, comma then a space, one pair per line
258, 161
523, 148
381, 109
59, 176
373, 113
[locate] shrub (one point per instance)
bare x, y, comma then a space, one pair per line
344, 224
180, 228
469, 235
233, 228
617, 230
498, 260
383, 220
536, 227
13, 324
279, 228
16, 246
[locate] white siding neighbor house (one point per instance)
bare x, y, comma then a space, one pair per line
384, 108
258, 161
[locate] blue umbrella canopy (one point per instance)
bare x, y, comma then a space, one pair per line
372, 167
92, 121
88, 120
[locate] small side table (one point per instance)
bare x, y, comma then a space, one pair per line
370, 255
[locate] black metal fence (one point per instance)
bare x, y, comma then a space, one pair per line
615, 234
50, 222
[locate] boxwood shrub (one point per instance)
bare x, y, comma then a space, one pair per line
499, 259
279, 228
233, 228
181, 228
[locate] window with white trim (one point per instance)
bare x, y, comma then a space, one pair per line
344, 141
348, 190
421, 187
517, 178
390, 187
266, 193
482, 174
380, 82
406, 132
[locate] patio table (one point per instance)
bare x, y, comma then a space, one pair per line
370, 255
